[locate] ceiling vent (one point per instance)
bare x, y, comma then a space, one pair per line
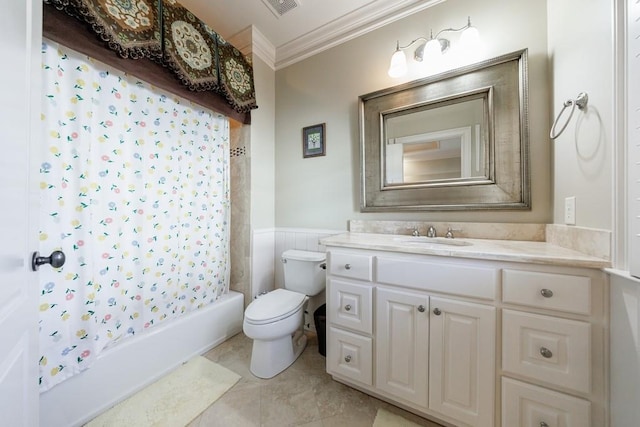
280, 7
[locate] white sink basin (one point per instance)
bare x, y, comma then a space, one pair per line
424, 241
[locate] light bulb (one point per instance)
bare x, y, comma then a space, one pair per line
470, 37
432, 50
398, 66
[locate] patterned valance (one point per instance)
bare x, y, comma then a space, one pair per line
166, 32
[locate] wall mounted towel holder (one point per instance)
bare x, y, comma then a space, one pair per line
580, 101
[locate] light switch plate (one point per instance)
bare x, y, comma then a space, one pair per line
570, 210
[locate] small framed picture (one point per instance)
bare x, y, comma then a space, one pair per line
313, 143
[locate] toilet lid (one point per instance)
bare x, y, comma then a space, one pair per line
304, 255
274, 306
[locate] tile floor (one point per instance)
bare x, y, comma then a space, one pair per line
302, 395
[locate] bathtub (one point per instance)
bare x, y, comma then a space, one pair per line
132, 365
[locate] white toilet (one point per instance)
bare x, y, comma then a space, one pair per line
275, 320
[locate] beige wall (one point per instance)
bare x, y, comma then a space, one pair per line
581, 60
262, 147
252, 179
324, 192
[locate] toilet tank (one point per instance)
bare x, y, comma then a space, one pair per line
303, 271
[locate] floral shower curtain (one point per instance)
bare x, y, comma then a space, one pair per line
135, 191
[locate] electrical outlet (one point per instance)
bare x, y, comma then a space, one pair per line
570, 210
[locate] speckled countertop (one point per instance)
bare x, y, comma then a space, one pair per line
498, 250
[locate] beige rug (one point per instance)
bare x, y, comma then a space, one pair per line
174, 400
385, 418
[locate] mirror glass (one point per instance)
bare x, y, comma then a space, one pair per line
438, 143
454, 141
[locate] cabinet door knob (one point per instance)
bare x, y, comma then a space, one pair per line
547, 293
347, 307
347, 266
421, 308
347, 358
437, 311
545, 352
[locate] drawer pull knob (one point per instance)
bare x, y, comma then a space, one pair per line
347, 266
421, 308
347, 358
547, 293
543, 424
347, 307
437, 311
545, 352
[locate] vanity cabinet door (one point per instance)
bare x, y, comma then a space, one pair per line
462, 361
351, 305
402, 344
547, 348
350, 355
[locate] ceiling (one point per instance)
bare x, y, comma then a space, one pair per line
305, 28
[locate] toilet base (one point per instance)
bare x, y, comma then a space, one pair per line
269, 358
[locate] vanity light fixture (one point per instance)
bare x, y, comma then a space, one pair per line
432, 48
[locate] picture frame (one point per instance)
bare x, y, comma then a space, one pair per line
313, 140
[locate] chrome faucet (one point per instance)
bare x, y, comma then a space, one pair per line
450, 231
431, 231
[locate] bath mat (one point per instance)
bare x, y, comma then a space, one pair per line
385, 418
174, 400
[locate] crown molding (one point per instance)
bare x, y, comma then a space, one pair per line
346, 28
252, 41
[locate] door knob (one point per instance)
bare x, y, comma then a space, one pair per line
56, 259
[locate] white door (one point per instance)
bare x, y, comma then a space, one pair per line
633, 135
20, 39
462, 361
402, 344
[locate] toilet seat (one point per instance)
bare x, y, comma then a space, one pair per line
276, 305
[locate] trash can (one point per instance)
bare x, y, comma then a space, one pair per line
320, 320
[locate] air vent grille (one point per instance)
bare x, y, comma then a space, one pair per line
280, 7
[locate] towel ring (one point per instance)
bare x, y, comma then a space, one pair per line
580, 101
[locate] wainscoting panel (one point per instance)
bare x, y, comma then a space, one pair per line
262, 265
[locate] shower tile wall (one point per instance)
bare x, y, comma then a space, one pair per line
240, 170
266, 267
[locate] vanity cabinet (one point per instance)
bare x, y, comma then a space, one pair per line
350, 314
553, 348
433, 354
470, 342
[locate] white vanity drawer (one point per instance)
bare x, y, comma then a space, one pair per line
557, 351
455, 279
350, 355
528, 405
351, 305
354, 266
561, 292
